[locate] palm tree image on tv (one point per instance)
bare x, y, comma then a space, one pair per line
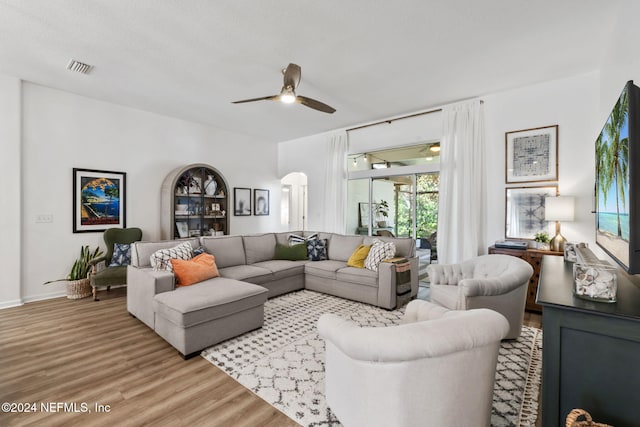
612, 183
100, 201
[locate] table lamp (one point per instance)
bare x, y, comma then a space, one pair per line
558, 209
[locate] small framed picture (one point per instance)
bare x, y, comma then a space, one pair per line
242, 201
531, 155
260, 202
98, 200
183, 228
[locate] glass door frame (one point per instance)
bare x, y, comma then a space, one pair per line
412, 171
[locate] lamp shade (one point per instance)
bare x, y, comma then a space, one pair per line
559, 208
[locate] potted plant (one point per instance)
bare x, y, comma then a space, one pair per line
382, 212
78, 283
542, 240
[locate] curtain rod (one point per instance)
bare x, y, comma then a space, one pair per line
398, 118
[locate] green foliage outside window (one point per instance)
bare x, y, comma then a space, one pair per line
426, 207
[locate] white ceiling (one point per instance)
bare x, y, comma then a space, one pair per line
369, 59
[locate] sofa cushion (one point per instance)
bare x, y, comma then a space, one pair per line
361, 276
326, 269
283, 238
121, 255
141, 251
317, 249
228, 250
281, 268
296, 252
378, 253
358, 256
208, 300
198, 269
248, 273
161, 259
259, 247
341, 247
405, 246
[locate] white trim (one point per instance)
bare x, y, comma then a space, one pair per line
41, 297
12, 303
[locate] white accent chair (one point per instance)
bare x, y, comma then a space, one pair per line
437, 368
498, 282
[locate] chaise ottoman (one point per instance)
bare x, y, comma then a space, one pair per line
195, 317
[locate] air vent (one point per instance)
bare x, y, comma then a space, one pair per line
79, 67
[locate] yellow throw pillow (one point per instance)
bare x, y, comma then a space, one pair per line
358, 256
197, 269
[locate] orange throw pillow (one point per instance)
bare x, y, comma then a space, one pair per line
358, 256
197, 269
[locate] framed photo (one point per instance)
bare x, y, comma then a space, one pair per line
98, 200
242, 201
260, 202
524, 216
570, 253
532, 155
183, 228
363, 214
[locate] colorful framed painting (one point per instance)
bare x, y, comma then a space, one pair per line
532, 155
242, 201
260, 202
99, 200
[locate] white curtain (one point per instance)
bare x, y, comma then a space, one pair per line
335, 185
461, 214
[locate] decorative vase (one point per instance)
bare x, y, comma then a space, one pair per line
210, 186
77, 289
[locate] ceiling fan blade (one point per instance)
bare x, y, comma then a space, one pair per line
292, 76
316, 105
264, 98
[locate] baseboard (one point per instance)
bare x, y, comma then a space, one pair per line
12, 303
41, 297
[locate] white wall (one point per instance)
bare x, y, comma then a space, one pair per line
62, 131
572, 104
10, 196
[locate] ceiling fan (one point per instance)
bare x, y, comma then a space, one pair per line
292, 75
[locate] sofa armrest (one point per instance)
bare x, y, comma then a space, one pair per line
387, 283
142, 285
490, 287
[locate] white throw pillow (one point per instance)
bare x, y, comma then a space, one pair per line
379, 252
160, 260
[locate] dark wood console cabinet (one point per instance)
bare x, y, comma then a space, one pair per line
533, 257
590, 350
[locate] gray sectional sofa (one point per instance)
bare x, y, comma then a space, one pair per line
195, 317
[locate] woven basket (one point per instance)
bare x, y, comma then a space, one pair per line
572, 419
77, 289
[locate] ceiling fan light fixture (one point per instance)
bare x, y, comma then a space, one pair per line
287, 95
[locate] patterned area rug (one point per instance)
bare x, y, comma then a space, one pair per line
283, 362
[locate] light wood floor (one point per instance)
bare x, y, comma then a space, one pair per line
94, 353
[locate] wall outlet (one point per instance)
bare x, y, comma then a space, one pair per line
41, 218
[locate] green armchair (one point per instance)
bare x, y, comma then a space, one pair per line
112, 275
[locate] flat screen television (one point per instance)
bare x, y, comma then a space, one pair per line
617, 188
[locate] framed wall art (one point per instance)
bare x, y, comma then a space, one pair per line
242, 201
260, 202
532, 155
98, 200
524, 216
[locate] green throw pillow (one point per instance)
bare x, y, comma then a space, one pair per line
292, 253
